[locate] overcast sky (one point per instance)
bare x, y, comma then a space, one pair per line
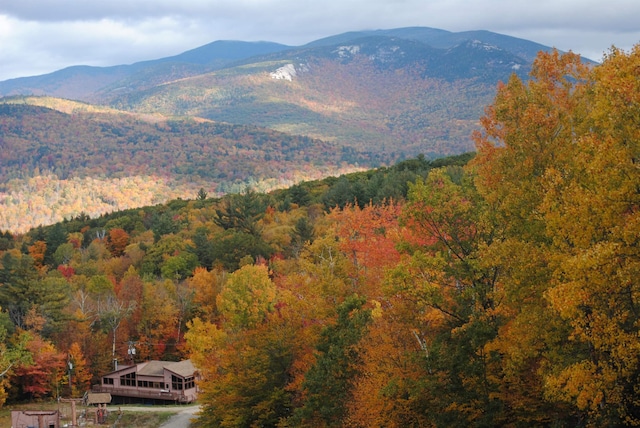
40, 36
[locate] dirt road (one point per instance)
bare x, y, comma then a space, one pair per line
182, 418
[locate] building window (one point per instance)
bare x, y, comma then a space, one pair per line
128, 380
189, 383
176, 383
107, 381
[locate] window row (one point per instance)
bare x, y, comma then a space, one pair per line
149, 384
178, 384
128, 379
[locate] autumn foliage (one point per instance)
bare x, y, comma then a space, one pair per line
498, 292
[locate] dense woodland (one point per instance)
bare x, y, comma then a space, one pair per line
498, 289
60, 159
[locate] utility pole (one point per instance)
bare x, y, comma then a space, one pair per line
70, 364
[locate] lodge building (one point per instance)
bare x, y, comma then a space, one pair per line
151, 382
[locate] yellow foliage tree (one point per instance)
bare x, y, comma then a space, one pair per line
80, 376
558, 162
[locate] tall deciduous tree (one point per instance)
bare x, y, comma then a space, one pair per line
158, 326
558, 162
368, 237
117, 241
12, 355
79, 375
445, 277
247, 360
247, 297
594, 214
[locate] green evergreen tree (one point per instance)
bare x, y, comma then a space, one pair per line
242, 212
328, 382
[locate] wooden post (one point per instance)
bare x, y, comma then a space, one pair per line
74, 421
74, 414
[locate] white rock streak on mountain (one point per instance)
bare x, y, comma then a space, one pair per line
286, 72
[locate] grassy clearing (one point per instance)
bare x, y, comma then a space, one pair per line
129, 419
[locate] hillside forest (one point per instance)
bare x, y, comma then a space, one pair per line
498, 288
60, 159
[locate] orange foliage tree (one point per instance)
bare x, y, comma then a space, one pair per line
45, 373
117, 241
80, 376
368, 237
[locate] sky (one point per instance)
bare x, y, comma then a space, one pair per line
41, 36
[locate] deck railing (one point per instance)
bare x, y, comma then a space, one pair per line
137, 392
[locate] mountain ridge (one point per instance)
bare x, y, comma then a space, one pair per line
223, 53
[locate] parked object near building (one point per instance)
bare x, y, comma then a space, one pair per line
153, 382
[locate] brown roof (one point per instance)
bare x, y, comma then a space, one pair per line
182, 368
151, 368
156, 368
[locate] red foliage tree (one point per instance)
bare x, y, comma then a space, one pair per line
39, 379
117, 241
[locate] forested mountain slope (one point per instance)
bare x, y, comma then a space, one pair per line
392, 96
74, 158
216, 117
355, 100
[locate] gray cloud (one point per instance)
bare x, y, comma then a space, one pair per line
40, 36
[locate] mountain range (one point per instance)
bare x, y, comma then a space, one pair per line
93, 83
400, 92
353, 100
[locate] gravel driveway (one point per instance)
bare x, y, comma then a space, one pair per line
182, 419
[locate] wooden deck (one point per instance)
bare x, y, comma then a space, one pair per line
143, 393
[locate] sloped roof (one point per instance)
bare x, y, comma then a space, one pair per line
182, 368
156, 368
151, 368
